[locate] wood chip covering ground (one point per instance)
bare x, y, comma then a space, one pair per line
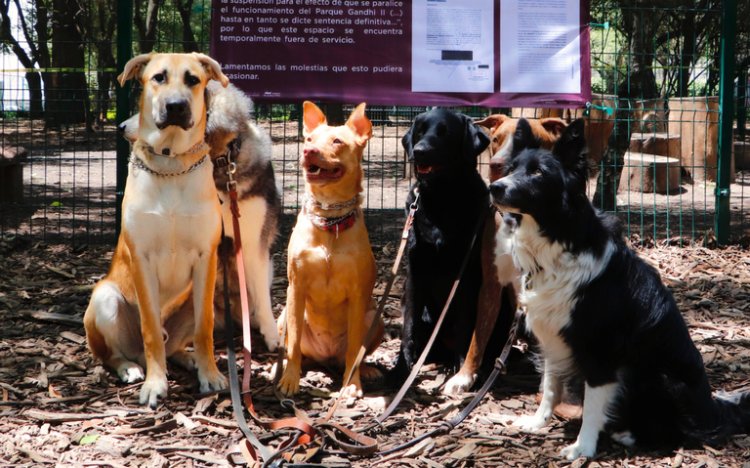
60, 407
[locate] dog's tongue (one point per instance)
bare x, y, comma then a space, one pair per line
424, 168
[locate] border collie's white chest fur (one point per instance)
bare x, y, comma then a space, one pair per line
552, 276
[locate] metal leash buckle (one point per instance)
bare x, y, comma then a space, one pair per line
231, 169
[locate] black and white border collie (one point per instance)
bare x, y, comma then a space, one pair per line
600, 312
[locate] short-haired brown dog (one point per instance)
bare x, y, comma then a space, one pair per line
331, 267
171, 225
502, 128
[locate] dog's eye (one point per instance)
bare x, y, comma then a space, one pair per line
159, 77
537, 172
191, 80
336, 141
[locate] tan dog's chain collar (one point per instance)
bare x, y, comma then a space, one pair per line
310, 202
138, 162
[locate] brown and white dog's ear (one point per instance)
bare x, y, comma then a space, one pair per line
212, 68
492, 121
134, 68
312, 117
553, 125
360, 124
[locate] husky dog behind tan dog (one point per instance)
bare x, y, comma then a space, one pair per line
171, 224
229, 129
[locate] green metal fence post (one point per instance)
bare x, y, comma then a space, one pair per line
726, 118
124, 53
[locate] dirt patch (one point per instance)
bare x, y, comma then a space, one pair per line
58, 406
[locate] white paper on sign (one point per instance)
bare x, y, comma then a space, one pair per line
453, 46
540, 46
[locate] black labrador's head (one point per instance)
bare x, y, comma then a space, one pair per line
441, 143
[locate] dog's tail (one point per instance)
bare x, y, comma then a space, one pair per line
727, 415
734, 413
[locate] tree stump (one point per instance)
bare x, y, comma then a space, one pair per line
599, 126
741, 155
663, 144
650, 173
11, 173
696, 120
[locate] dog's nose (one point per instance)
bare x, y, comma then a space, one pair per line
497, 190
310, 151
177, 107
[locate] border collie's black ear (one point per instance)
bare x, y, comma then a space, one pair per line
569, 149
475, 140
523, 137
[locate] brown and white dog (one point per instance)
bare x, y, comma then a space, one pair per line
501, 129
500, 278
228, 129
331, 267
171, 224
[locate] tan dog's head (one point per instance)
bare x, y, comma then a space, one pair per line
172, 105
229, 110
332, 156
502, 128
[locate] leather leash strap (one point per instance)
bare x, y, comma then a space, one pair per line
252, 445
357, 443
417, 365
499, 368
381, 305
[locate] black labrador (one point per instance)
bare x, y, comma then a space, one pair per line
452, 206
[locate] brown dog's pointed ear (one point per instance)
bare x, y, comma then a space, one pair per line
553, 125
212, 68
133, 68
492, 121
360, 124
312, 117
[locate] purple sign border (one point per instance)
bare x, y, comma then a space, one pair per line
406, 97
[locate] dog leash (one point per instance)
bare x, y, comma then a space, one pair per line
252, 446
417, 365
498, 369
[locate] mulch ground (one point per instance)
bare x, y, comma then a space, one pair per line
59, 406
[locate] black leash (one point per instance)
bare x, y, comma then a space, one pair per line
499, 368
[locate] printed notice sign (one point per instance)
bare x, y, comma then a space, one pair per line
419, 52
540, 47
453, 46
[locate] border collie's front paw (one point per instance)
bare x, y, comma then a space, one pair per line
578, 449
530, 423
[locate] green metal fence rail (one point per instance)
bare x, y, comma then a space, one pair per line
669, 79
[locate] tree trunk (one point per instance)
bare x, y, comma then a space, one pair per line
185, 8
147, 27
67, 92
640, 83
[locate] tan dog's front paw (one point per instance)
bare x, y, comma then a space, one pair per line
211, 379
153, 388
289, 382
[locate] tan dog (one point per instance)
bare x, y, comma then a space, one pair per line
167, 250
331, 267
502, 128
500, 278
229, 129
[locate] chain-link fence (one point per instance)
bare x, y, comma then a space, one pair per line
669, 154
